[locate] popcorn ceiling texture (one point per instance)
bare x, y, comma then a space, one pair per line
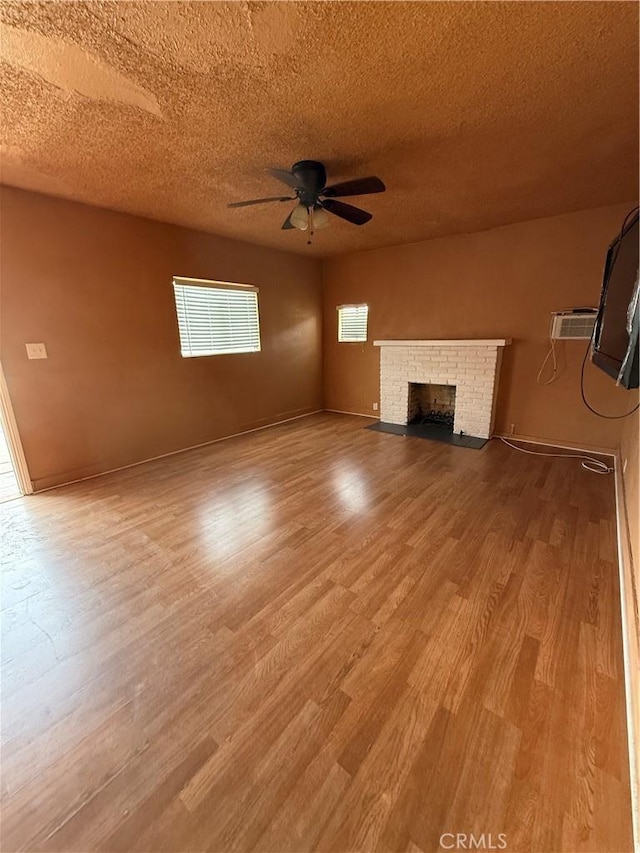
474, 114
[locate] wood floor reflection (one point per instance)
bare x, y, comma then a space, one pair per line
315, 637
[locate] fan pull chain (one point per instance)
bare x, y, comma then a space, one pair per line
310, 226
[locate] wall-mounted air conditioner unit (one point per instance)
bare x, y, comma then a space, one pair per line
573, 325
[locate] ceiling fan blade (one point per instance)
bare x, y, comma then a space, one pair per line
286, 177
359, 186
286, 225
262, 200
347, 211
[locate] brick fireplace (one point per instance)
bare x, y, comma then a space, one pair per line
471, 367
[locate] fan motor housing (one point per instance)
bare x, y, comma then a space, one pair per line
312, 177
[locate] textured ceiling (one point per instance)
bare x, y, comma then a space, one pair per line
474, 114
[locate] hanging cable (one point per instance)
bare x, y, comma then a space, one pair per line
589, 463
550, 354
588, 404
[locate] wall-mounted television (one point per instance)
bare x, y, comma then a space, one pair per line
615, 336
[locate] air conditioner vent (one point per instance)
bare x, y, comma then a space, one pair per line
573, 327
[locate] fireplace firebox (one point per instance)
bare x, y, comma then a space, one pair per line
431, 404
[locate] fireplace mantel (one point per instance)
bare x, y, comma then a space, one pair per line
499, 342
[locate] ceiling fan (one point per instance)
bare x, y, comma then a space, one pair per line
308, 179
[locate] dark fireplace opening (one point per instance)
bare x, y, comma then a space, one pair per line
432, 404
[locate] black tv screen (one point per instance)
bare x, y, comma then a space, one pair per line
615, 340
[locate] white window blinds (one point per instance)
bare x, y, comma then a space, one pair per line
215, 318
352, 323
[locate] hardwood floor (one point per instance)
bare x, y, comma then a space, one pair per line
316, 637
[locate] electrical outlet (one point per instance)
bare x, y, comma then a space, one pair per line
375, 407
36, 351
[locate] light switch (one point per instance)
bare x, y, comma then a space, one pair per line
36, 351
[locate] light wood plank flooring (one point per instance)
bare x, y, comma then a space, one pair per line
315, 637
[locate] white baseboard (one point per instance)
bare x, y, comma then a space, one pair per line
357, 414
176, 452
630, 646
548, 443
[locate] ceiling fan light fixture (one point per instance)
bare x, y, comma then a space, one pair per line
315, 200
320, 218
300, 217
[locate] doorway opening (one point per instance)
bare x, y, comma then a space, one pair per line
14, 473
9, 488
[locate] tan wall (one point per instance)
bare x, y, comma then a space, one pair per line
493, 284
96, 287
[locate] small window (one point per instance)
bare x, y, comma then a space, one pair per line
352, 323
215, 318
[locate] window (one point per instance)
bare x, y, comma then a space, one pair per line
352, 323
215, 317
